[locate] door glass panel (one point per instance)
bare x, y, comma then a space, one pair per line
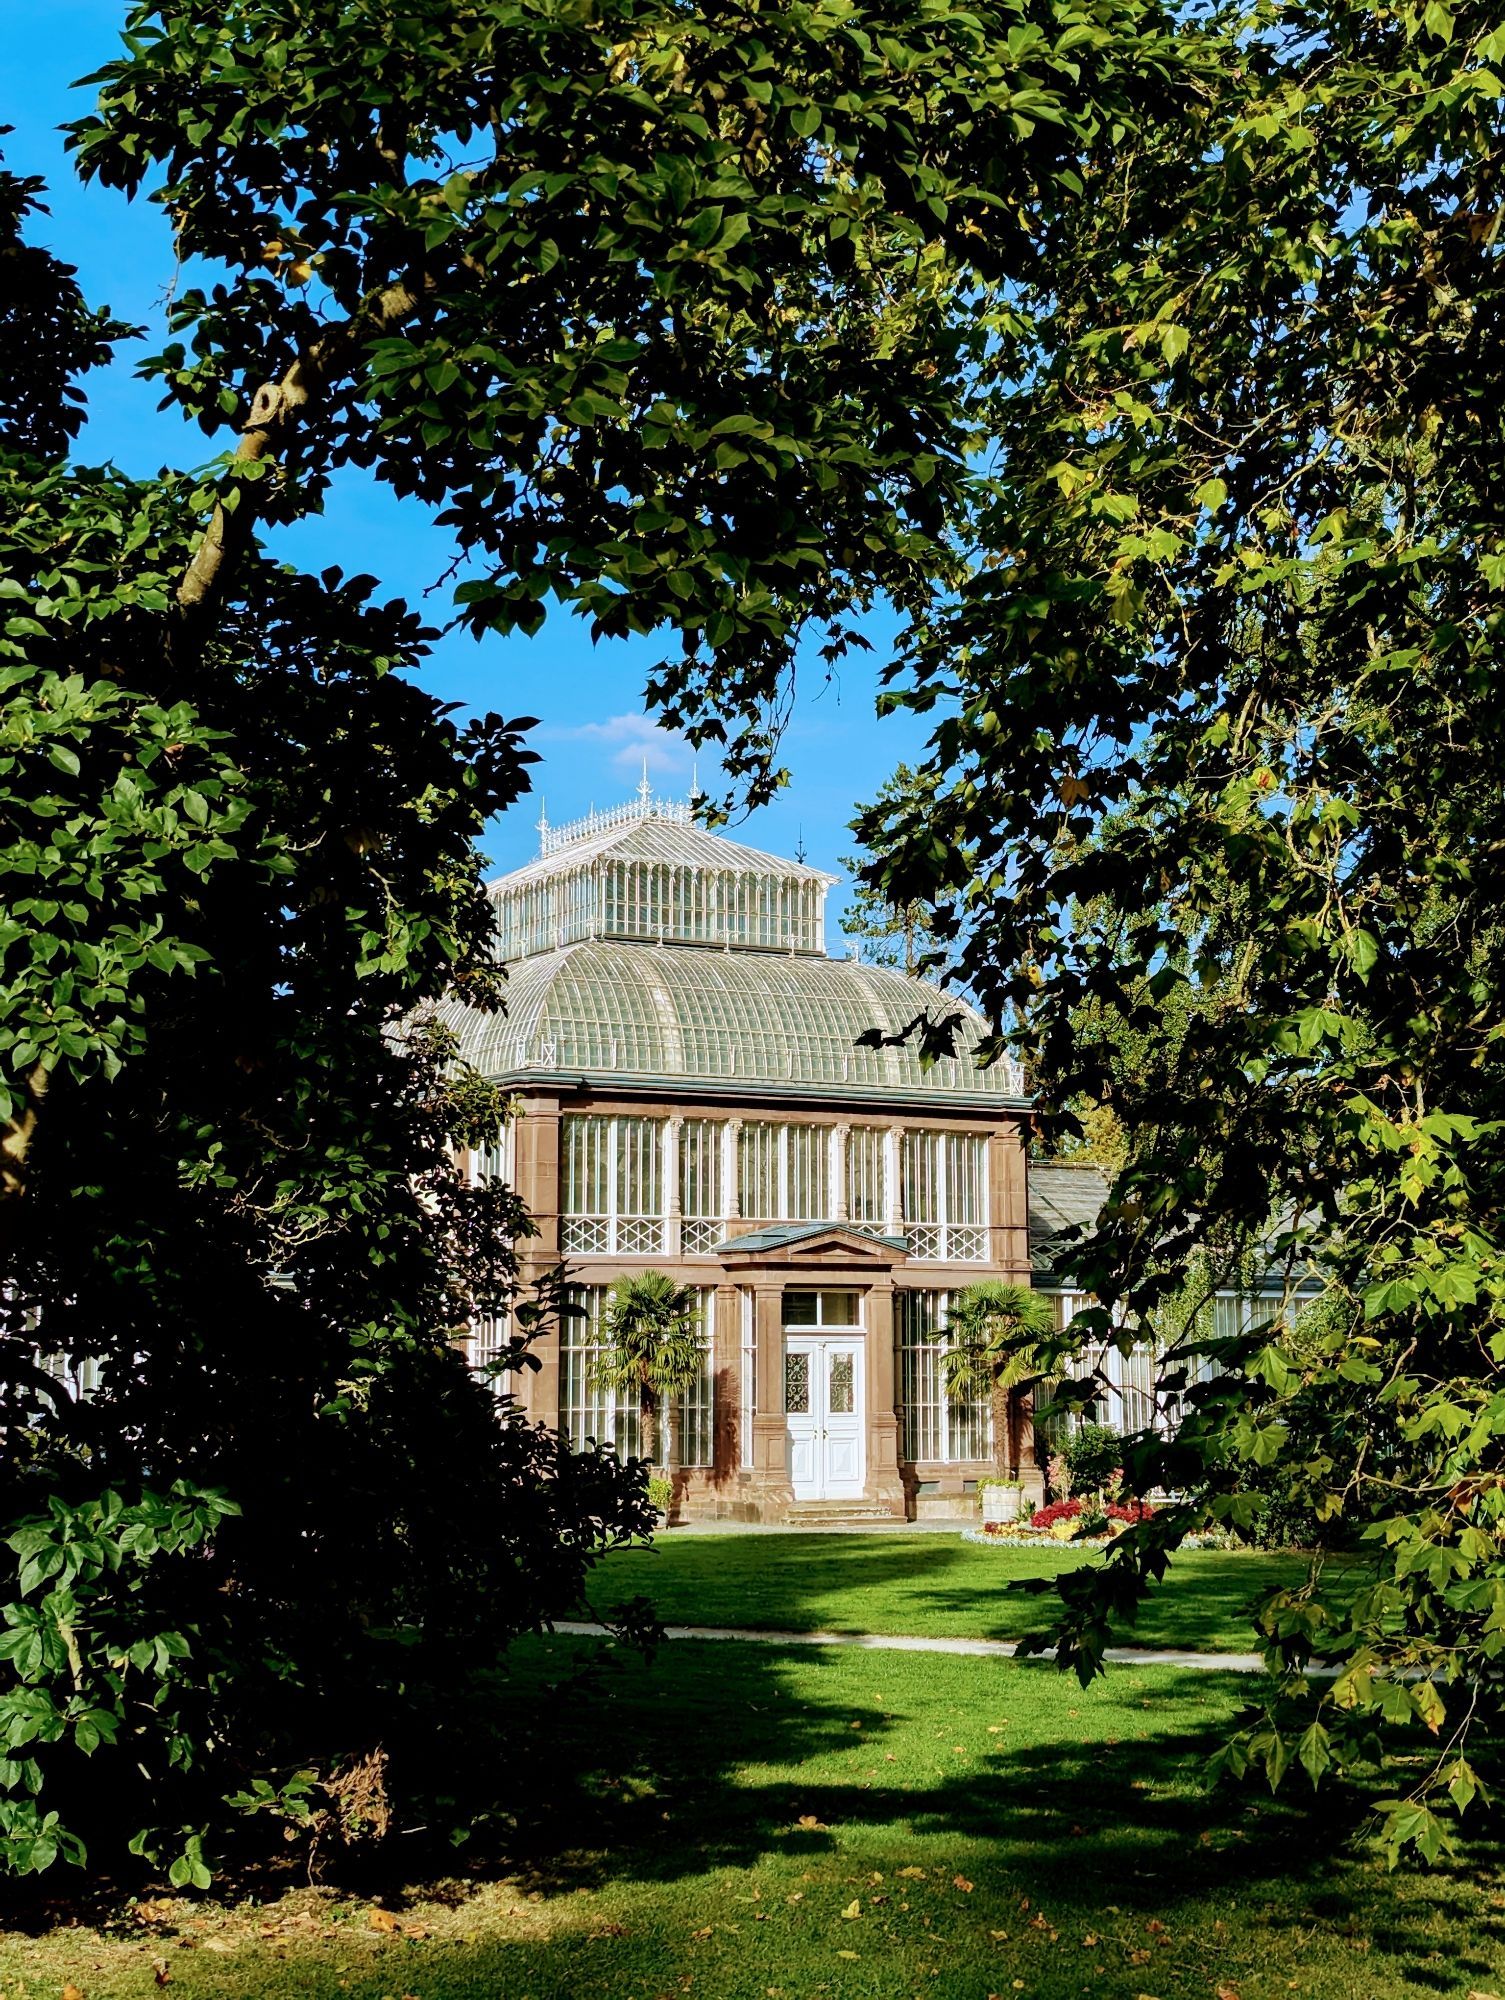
800, 1309
797, 1384
841, 1385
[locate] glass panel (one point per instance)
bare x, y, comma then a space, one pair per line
838, 1309
840, 1389
807, 1194
700, 1168
922, 1173
586, 1410
966, 1161
797, 1384
585, 1180
640, 1159
695, 1425
758, 1172
801, 1309
865, 1190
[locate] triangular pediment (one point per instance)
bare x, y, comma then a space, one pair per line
819, 1246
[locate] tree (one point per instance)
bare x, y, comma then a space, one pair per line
285, 1518
995, 1332
897, 934
1225, 663
654, 1351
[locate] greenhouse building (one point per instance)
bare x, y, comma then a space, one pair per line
692, 1094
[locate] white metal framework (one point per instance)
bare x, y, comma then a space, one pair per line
616, 1174
867, 1175
937, 1430
945, 1196
702, 1164
613, 1185
587, 1410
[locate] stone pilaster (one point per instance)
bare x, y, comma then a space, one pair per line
883, 1482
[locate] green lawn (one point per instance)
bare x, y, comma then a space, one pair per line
740, 1823
931, 1585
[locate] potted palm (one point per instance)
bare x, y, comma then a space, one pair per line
653, 1351
995, 1329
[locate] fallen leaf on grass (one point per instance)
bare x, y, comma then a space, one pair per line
72, 1993
913, 1874
849, 1954
211, 1944
999, 1937
1227, 1993
379, 1920
700, 1936
961, 1882
808, 1823
160, 1972
853, 1909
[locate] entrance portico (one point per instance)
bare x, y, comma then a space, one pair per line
823, 1426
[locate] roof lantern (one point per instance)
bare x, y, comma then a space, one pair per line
646, 872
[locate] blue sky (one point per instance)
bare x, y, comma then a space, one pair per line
593, 734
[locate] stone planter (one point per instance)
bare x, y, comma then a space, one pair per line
1000, 1503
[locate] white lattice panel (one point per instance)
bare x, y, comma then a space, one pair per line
584, 1233
639, 1236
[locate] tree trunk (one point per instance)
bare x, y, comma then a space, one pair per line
277, 410
1003, 1437
648, 1424
1025, 1422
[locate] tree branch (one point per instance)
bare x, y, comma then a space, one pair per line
277, 409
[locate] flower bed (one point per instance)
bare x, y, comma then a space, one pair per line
1025, 1535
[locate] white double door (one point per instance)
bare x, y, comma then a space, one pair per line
824, 1401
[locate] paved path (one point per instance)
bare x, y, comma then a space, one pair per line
996, 1649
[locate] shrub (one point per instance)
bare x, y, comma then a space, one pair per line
1093, 1453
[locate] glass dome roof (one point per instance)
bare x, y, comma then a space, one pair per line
611, 1010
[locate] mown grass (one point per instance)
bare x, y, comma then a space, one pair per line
740, 1823
930, 1585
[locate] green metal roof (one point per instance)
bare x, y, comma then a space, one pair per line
781, 1234
629, 1013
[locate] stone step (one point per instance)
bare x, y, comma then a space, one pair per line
815, 1512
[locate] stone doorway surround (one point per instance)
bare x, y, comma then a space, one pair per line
818, 1256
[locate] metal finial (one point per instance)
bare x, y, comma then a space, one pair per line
645, 790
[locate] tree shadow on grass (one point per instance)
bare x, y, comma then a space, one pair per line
926, 1583
725, 1756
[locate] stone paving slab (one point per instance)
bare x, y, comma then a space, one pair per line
996, 1649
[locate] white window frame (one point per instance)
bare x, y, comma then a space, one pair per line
613, 1234
943, 1240
964, 1431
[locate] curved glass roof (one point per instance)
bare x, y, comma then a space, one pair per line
715, 1020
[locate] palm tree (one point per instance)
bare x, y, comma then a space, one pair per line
995, 1332
653, 1347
